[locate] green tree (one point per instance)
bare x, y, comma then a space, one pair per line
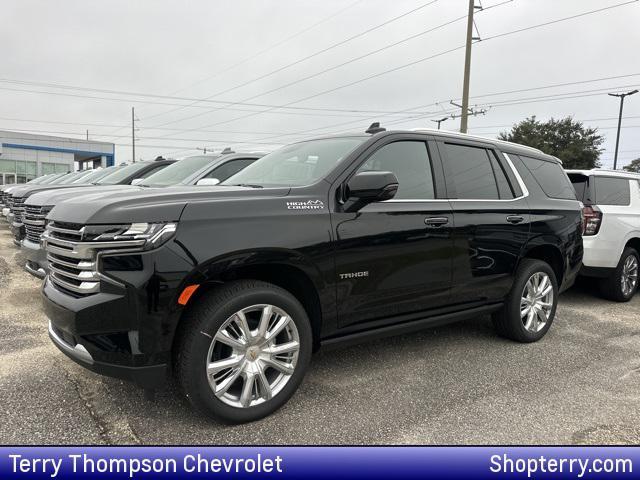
634, 166
573, 143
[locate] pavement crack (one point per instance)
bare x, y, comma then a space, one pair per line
112, 426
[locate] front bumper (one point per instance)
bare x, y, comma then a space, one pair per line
18, 231
126, 329
37, 263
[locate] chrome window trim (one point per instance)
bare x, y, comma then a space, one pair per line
523, 187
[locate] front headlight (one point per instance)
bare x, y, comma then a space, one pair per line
154, 234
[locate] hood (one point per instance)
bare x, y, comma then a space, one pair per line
28, 190
54, 196
150, 204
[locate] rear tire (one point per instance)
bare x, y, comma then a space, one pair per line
622, 285
241, 324
530, 307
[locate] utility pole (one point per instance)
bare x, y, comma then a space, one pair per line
87, 134
467, 67
133, 134
440, 121
621, 97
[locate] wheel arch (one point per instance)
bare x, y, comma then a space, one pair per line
549, 251
284, 268
633, 241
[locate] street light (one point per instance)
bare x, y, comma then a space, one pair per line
621, 97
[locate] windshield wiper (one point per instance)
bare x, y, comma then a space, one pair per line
250, 185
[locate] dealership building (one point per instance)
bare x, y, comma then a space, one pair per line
25, 156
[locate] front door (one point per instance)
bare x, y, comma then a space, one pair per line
393, 258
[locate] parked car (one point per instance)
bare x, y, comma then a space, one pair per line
337, 239
84, 178
188, 171
612, 229
5, 190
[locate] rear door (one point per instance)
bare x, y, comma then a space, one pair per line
491, 220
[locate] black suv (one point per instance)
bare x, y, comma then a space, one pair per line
230, 288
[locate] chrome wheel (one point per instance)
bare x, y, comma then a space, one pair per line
252, 356
536, 302
629, 277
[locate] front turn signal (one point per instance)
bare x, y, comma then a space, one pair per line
184, 297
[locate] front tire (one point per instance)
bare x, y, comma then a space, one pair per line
623, 283
243, 351
530, 307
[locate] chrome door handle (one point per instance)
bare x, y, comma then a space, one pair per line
515, 219
436, 221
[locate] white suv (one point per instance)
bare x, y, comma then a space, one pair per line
611, 233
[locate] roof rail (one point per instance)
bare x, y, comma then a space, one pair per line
624, 172
466, 135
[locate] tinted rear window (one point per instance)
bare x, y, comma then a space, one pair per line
551, 178
582, 186
470, 173
612, 191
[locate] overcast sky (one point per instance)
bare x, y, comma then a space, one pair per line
240, 52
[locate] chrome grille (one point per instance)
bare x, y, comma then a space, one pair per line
17, 208
73, 264
72, 267
34, 221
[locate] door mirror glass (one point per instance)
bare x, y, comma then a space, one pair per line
136, 181
370, 186
208, 182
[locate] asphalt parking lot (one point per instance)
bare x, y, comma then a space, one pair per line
457, 384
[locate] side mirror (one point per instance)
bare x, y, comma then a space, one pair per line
208, 182
136, 181
369, 187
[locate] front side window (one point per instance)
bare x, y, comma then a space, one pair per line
409, 161
298, 164
470, 173
612, 191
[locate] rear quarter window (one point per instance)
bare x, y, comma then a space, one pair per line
551, 177
582, 185
612, 191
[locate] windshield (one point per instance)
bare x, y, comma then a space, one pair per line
95, 175
122, 173
70, 178
298, 164
57, 178
81, 178
179, 171
38, 181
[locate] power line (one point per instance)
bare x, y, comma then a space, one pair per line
326, 70
524, 100
144, 137
334, 67
122, 92
430, 57
261, 52
327, 109
319, 52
